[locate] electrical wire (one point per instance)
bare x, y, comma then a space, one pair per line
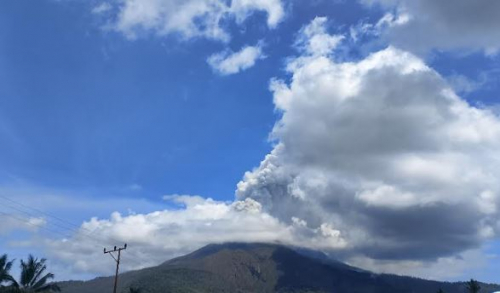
89, 235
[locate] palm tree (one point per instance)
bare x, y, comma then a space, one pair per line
134, 290
5, 267
473, 286
33, 278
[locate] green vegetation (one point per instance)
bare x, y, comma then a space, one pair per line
134, 290
235, 267
5, 267
263, 268
473, 286
33, 277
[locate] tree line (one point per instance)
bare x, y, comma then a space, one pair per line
34, 277
472, 287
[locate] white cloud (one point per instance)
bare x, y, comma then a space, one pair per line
227, 62
388, 196
189, 18
102, 8
441, 24
383, 150
135, 187
465, 85
71, 205
243, 8
12, 221
185, 200
174, 232
314, 39
377, 158
444, 268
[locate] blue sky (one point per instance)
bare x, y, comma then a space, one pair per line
94, 120
90, 109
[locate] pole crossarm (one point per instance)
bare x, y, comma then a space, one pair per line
117, 260
111, 254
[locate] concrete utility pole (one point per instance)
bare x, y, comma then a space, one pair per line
117, 260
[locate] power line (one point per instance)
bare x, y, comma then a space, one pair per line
39, 211
95, 241
89, 235
76, 228
34, 216
40, 226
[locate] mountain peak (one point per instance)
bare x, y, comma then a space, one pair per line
261, 267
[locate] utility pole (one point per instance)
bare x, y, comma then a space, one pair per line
117, 260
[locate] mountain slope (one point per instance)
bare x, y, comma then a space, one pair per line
238, 267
